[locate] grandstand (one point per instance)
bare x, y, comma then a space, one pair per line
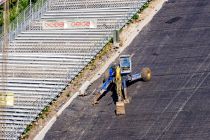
42, 62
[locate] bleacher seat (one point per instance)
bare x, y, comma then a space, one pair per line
40, 63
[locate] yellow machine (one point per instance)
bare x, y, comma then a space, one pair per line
121, 76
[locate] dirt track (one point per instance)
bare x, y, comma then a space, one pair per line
175, 104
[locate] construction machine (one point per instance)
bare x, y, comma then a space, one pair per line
120, 75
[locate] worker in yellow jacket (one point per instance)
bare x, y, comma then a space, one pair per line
118, 81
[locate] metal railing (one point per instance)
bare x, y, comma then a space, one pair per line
23, 20
24, 23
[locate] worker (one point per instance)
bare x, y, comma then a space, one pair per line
118, 81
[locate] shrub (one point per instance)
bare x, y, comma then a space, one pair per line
13, 9
135, 17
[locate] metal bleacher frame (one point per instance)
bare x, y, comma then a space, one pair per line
41, 62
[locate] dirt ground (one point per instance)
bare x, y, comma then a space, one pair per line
90, 71
175, 104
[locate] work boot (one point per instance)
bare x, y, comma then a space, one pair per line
95, 99
127, 100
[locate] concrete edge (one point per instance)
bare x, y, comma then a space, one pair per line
67, 104
132, 35
44, 130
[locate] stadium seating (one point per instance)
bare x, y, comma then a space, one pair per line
40, 63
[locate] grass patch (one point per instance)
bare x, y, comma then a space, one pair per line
146, 5
135, 16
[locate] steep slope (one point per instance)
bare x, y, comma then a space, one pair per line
41, 62
175, 104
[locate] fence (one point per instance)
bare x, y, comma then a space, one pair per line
47, 87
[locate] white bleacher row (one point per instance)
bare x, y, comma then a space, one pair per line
66, 4
41, 63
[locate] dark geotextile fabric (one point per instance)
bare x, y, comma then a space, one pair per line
175, 105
